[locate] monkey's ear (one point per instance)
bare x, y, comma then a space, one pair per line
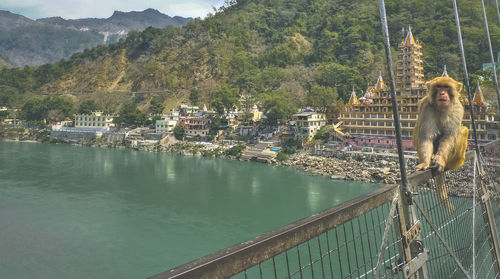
429, 85
458, 87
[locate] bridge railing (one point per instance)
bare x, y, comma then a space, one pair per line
366, 238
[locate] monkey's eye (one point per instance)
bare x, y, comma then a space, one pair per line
443, 86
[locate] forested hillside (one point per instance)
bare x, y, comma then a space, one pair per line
280, 53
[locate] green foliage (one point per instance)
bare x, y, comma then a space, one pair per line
179, 132
8, 96
52, 108
194, 95
154, 118
130, 116
282, 156
340, 77
321, 97
323, 134
255, 47
88, 106
226, 98
235, 150
276, 106
157, 106
3, 115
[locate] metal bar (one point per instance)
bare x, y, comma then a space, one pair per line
453, 255
338, 251
498, 11
321, 257
354, 244
388, 224
369, 242
237, 258
485, 18
365, 264
329, 253
466, 74
397, 125
300, 265
310, 257
347, 251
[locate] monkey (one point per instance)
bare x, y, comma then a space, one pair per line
438, 136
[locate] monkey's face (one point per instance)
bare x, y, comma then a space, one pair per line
442, 91
442, 96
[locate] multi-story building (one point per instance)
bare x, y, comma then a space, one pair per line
195, 126
308, 123
186, 110
167, 124
95, 120
369, 119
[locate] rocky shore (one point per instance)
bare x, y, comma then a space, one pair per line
354, 166
346, 166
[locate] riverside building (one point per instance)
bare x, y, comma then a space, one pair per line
369, 119
96, 120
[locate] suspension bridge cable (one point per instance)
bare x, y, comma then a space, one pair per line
385, 31
491, 53
498, 11
466, 75
474, 218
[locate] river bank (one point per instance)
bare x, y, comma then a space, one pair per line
338, 165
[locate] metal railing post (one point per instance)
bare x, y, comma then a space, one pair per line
406, 221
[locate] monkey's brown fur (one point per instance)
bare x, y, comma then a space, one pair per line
438, 135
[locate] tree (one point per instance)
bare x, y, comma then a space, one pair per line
226, 98
58, 108
35, 109
277, 107
338, 76
321, 97
157, 106
194, 95
179, 132
88, 106
130, 115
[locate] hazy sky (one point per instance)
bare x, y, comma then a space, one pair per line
72, 9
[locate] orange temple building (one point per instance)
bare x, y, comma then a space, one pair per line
369, 119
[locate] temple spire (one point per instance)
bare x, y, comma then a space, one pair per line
445, 73
478, 99
379, 86
353, 100
409, 40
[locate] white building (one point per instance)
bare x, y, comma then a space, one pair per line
167, 124
308, 123
96, 120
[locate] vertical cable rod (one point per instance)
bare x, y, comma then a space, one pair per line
466, 75
498, 11
385, 31
491, 52
474, 219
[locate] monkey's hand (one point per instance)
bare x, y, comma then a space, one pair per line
438, 163
422, 166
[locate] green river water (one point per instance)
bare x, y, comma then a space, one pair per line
79, 212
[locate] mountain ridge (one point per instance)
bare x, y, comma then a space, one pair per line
308, 52
67, 36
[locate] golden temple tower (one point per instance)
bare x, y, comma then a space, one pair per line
410, 72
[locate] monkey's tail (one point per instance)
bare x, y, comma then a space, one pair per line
442, 192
